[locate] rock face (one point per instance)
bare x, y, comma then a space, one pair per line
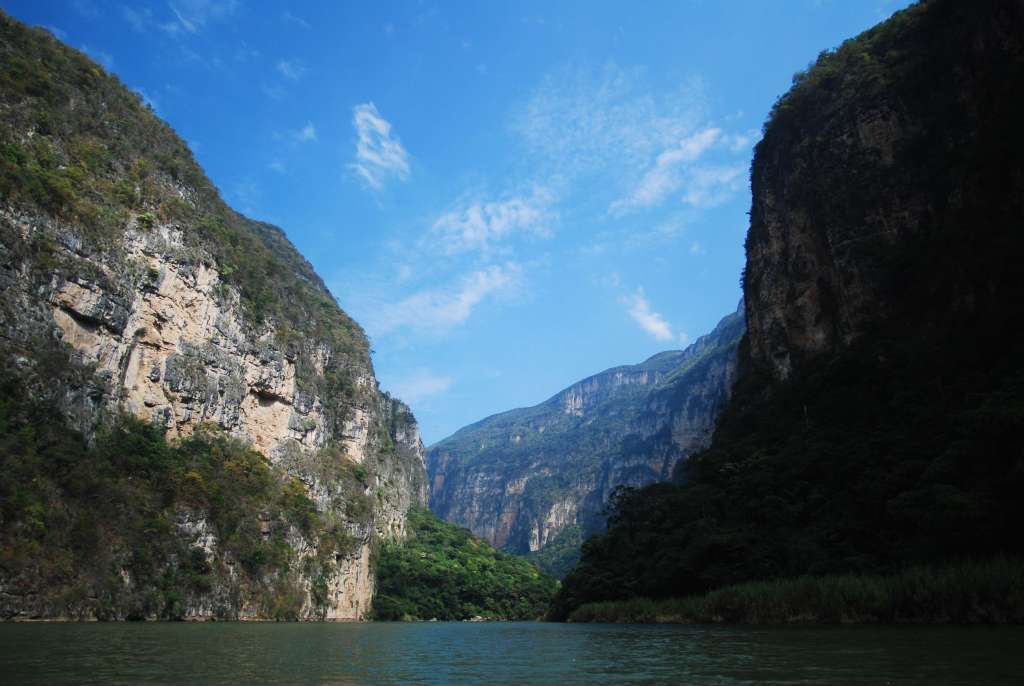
852, 170
522, 477
177, 310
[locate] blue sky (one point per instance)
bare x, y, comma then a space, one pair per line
508, 197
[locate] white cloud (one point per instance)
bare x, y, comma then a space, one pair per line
710, 186
642, 147
138, 18
440, 310
379, 155
186, 16
295, 20
273, 91
421, 384
291, 69
278, 166
650, 321
194, 15
738, 142
481, 225
666, 175
697, 249
581, 120
306, 134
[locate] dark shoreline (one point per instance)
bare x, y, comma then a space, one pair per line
989, 592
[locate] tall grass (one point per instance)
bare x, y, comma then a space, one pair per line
989, 592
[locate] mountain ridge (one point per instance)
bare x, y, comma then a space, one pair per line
672, 360
550, 467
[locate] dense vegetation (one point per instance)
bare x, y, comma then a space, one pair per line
444, 572
103, 528
561, 553
903, 447
991, 592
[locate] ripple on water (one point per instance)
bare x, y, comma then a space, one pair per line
522, 653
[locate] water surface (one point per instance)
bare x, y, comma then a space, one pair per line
522, 653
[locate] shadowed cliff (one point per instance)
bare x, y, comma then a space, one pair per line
875, 418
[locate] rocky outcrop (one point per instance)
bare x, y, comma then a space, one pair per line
131, 270
520, 478
870, 154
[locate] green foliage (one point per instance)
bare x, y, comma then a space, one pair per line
561, 553
869, 63
77, 516
444, 572
990, 592
847, 468
76, 144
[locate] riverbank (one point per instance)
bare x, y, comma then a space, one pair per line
989, 592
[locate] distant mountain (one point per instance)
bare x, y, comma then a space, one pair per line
537, 479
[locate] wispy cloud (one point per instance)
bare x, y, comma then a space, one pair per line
379, 155
436, 311
581, 120
192, 16
183, 17
650, 321
710, 186
667, 173
305, 134
481, 225
642, 147
421, 384
273, 91
139, 18
293, 70
697, 249
295, 20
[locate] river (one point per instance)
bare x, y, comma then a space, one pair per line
521, 653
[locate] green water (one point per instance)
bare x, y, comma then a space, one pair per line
522, 653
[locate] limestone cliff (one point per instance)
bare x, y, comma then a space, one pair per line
118, 256
521, 478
